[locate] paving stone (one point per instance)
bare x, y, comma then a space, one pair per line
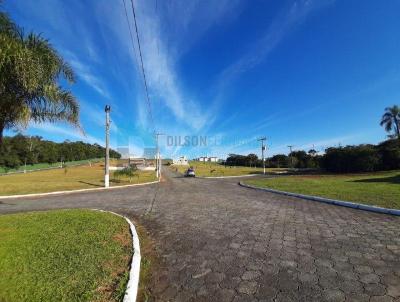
333, 295
381, 299
247, 287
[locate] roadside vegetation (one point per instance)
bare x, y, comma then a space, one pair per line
64, 255
33, 151
379, 188
67, 178
348, 159
58, 165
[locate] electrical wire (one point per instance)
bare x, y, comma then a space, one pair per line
142, 65
149, 109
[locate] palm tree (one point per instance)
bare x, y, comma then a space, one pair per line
391, 120
30, 75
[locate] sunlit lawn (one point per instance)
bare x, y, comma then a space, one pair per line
81, 177
64, 255
46, 165
381, 188
216, 169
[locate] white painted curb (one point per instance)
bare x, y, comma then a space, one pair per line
76, 191
347, 204
233, 176
134, 273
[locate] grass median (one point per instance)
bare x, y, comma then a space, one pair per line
380, 188
216, 169
64, 179
64, 255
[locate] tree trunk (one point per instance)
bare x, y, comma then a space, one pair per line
1, 134
397, 126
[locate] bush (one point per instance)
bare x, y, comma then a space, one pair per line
389, 152
362, 158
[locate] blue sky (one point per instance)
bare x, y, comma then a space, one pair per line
302, 73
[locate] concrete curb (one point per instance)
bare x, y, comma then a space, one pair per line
233, 176
134, 273
341, 203
76, 191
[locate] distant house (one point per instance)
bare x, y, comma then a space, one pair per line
141, 163
181, 161
212, 159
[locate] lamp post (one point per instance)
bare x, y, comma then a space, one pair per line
262, 139
158, 157
107, 161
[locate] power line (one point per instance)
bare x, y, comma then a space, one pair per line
130, 33
141, 62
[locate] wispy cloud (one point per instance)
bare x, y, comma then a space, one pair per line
95, 115
183, 22
86, 74
66, 132
281, 26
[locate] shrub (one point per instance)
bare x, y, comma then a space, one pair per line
362, 158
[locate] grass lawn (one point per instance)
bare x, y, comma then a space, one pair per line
80, 177
380, 188
64, 255
215, 169
46, 165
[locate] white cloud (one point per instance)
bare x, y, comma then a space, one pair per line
66, 132
87, 75
280, 27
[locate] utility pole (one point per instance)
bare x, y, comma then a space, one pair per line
107, 162
30, 150
158, 157
263, 139
290, 154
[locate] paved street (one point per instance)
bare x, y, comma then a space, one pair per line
222, 242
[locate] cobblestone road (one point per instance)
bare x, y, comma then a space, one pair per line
222, 242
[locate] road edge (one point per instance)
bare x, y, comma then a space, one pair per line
342, 203
134, 271
232, 176
76, 191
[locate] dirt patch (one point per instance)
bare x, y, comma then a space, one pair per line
150, 265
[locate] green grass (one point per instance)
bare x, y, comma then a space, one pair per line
80, 177
64, 255
216, 169
380, 189
46, 165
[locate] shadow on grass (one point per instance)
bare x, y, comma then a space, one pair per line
390, 179
91, 184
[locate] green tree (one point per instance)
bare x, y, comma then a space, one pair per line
30, 75
391, 120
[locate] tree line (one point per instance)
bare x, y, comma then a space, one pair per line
19, 149
347, 159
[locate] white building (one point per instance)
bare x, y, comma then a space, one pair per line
182, 161
212, 159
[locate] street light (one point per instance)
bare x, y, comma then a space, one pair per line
262, 139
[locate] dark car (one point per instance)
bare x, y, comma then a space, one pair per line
190, 173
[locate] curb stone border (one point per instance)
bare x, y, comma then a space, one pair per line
347, 204
134, 272
233, 176
76, 191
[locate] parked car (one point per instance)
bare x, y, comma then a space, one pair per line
190, 173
